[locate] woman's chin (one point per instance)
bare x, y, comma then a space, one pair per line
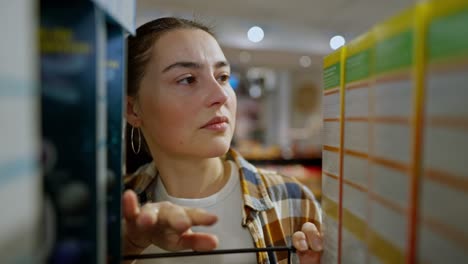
215, 149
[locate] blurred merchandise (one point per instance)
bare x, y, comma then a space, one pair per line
308, 175
254, 150
333, 75
82, 66
396, 140
443, 179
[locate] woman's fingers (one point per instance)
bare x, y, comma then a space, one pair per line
198, 241
174, 217
300, 241
201, 217
308, 243
130, 205
308, 237
167, 225
177, 218
148, 216
314, 239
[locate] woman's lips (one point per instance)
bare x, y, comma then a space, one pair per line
218, 123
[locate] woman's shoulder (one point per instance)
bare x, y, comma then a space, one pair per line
282, 186
277, 184
273, 177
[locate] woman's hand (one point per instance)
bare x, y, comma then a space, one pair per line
308, 243
165, 225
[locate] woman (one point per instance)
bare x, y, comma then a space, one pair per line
197, 193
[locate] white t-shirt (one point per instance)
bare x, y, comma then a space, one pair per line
227, 205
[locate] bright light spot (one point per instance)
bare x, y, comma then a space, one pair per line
255, 91
305, 61
244, 57
337, 41
255, 34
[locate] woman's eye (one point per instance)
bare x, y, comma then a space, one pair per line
187, 80
223, 78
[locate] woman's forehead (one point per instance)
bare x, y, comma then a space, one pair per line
187, 45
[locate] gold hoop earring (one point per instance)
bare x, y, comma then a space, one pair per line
139, 141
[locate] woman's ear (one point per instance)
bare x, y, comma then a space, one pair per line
132, 113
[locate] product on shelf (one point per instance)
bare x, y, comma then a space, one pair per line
443, 209
82, 66
355, 152
395, 186
392, 138
115, 80
333, 79
73, 121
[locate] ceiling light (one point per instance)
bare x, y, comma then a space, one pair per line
255, 34
337, 41
255, 91
305, 61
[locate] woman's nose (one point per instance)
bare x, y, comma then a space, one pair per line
217, 93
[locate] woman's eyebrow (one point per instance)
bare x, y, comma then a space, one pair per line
221, 64
182, 64
193, 65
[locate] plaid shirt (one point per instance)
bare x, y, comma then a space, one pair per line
275, 206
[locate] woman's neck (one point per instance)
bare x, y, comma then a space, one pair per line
192, 178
